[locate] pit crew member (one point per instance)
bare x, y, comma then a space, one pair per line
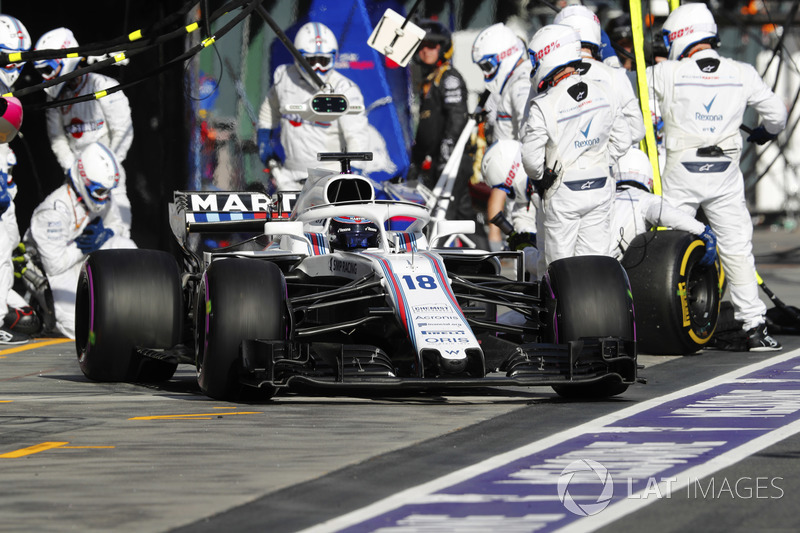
503, 58
73, 127
702, 97
574, 131
77, 219
502, 169
637, 209
302, 138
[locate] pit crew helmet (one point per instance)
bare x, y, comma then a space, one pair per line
352, 233
686, 26
437, 33
552, 48
502, 168
56, 39
635, 170
496, 51
10, 118
318, 45
94, 174
586, 23
14, 37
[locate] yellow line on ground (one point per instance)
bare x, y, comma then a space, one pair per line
30, 346
167, 417
30, 450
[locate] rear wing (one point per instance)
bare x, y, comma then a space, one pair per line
227, 211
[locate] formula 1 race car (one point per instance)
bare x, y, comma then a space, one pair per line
338, 289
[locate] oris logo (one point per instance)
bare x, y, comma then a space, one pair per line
547, 49
512, 174
680, 33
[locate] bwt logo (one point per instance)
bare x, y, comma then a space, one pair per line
585, 471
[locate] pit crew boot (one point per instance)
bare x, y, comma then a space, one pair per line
22, 320
759, 340
12, 337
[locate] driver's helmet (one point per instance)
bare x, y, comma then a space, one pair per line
13, 38
352, 233
686, 26
634, 170
552, 48
318, 45
94, 175
497, 50
586, 23
57, 39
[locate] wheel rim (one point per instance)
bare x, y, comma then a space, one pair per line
701, 292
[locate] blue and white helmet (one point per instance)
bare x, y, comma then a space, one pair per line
497, 50
687, 26
94, 175
551, 48
317, 43
13, 38
57, 39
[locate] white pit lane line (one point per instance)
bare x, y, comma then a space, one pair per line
717, 446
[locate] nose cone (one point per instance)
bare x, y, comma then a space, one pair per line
449, 365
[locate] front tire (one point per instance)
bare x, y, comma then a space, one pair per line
588, 296
677, 300
239, 299
127, 298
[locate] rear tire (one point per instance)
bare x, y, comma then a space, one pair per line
239, 299
127, 298
588, 296
677, 300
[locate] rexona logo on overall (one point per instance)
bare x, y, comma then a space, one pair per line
586, 140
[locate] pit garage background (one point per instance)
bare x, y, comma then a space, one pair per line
194, 121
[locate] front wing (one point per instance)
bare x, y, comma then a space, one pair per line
281, 364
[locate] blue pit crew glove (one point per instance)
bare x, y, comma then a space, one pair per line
5, 196
94, 236
266, 145
710, 239
519, 241
760, 135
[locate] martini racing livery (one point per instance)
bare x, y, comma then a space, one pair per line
332, 287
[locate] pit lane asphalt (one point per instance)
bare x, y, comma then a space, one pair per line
77, 455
